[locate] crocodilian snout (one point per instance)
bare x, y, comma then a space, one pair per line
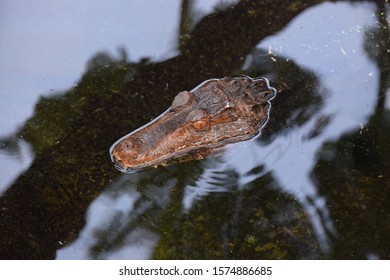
123, 154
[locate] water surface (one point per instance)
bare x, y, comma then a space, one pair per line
313, 185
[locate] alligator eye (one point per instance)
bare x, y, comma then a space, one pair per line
201, 124
183, 98
199, 119
196, 115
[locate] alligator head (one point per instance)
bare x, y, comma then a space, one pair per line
215, 113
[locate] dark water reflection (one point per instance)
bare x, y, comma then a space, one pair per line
313, 185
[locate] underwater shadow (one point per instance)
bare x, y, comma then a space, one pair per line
45, 207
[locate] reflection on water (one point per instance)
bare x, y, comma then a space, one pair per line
15, 157
313, 185
108, 218
287, 161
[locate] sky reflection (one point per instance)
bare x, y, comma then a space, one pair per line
332, 48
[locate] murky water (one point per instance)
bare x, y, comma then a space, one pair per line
313, 185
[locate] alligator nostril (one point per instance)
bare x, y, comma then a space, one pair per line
128, 146
126, 151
